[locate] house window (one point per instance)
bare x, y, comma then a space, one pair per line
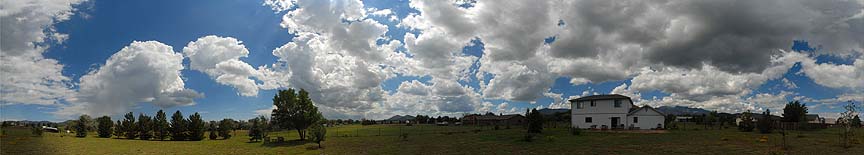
579, 105
587, 119
592, 104
617, 103
635, 119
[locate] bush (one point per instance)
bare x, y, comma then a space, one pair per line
36, 131
213, 135
764, 124
528, 137
550, 138
575, 131
212, 130
403, 136
319, 133
746, 125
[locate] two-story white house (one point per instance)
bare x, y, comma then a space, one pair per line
613, 111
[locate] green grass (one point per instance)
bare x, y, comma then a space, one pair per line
427, 139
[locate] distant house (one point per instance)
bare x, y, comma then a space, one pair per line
814, 119
755, 117
50, 129
492, 119
613, 111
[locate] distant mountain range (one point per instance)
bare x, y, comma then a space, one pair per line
401, 118
675, 110
681, 110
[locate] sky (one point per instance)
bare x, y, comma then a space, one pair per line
379, 58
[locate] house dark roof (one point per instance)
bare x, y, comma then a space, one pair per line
600, 97
812, 117
634, 110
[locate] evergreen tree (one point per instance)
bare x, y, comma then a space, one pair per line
118, 129
178, 126
535, 121
295, 111
764, 124
856, 122
81, 126
258, 128
212, 130
145, 127
225, 127
196, 127
130, 128
105, 125
795, 112
160, 125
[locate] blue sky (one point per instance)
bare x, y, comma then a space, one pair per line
99, 29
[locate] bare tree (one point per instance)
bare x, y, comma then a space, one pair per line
846, 121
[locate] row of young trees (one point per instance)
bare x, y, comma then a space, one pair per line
294, 111
145, 127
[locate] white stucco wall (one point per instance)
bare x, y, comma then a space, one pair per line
648, 119
601, 113
596, 119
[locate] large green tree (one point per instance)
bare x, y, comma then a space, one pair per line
178, 126
145, 127
196, 127
795, 112
225, 128
81, 126
130, 128
104, 128
295, 111
160, 125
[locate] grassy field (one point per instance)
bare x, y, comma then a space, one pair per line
426, 139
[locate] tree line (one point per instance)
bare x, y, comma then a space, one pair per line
158, 127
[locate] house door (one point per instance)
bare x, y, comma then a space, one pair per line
615, 122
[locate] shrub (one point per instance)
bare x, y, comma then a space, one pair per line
575, 131
212, 130
746, 124
764, 124
528, 137
404, 136
318, 133
36, 131
213, 135
550, 138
